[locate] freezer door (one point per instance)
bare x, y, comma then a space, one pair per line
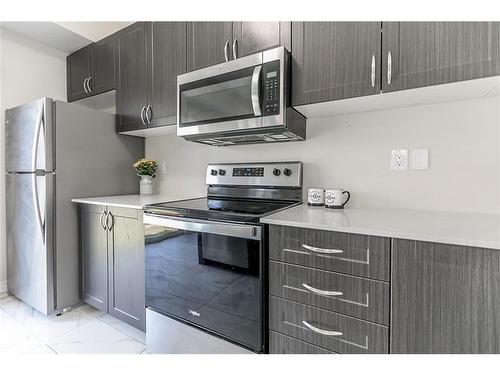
29, 137
30, 239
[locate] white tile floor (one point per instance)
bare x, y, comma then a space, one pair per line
82, 330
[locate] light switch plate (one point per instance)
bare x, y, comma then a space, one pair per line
399, 160
161, 167
420, 159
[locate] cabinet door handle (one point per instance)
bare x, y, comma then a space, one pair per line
321, 250
321, 331
235, 48
142, 115
149, 113
226, 50
389, 67
373, 70
85, 85
101, 219
322, 292
88, 84
109, 215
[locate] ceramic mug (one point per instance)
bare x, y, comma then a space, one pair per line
316, 197
334, 198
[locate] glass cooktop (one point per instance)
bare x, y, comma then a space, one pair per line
219, 208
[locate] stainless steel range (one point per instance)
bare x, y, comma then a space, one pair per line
206, 260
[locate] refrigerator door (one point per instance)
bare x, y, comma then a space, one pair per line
29, 137
30, 238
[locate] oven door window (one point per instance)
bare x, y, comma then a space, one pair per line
212, 281
221, 98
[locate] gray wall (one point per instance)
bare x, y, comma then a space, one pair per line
353, 152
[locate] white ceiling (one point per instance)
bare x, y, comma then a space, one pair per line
64, 36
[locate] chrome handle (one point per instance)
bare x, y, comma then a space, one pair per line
235, 48
101, 219
255, 90
231, 230
226, 51
389, 67
149, 112
373, 70
321, 331
36, 203
142, 115
110, 215
321, 250
85, 85
322, 292
88, 84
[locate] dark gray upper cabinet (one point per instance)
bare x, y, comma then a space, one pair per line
445, 298
206, 42
78, 70
253, 37
431, 53
168, 60
93, 257
126, 267
334, 60
104, 64
132, 91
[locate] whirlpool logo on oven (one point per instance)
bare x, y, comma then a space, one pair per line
194, 313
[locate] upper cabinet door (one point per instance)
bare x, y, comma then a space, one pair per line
78, 70
334, 60
206, 42
168, 60
253, 37
104, 58
132, 92
417, 54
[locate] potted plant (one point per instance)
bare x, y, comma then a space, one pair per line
146, 170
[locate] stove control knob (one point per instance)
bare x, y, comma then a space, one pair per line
276, 172
222, 172
287, 172
213, 172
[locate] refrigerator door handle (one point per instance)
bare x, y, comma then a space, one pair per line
36, 203
36, 137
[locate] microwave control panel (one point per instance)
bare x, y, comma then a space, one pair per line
271, 79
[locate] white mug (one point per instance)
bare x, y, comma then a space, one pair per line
334, 198
316, 197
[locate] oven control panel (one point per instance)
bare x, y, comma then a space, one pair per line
287, 174
271, 82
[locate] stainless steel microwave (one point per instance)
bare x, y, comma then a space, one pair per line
240, 101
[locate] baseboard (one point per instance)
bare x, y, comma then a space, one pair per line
3, 287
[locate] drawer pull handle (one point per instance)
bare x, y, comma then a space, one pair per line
321, 331
322, 251
322, 292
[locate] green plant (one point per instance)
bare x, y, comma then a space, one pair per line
146, 167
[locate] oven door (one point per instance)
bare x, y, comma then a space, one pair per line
208, 274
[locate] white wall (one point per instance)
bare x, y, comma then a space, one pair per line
353, 152
27, 71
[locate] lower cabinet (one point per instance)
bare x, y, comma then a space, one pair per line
112, 262
445, 298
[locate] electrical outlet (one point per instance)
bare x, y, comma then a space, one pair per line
161, 167
399, 160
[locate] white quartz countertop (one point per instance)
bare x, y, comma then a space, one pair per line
126, 201
479, 230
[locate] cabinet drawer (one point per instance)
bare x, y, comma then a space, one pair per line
318, 327
281, 344
363, 298
355, 254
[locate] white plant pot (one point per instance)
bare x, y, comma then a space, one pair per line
146, 185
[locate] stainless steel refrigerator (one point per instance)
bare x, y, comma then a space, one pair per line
55, 151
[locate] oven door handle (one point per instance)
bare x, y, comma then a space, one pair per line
204, 226
255, 90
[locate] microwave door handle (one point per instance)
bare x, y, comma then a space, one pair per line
255, 90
